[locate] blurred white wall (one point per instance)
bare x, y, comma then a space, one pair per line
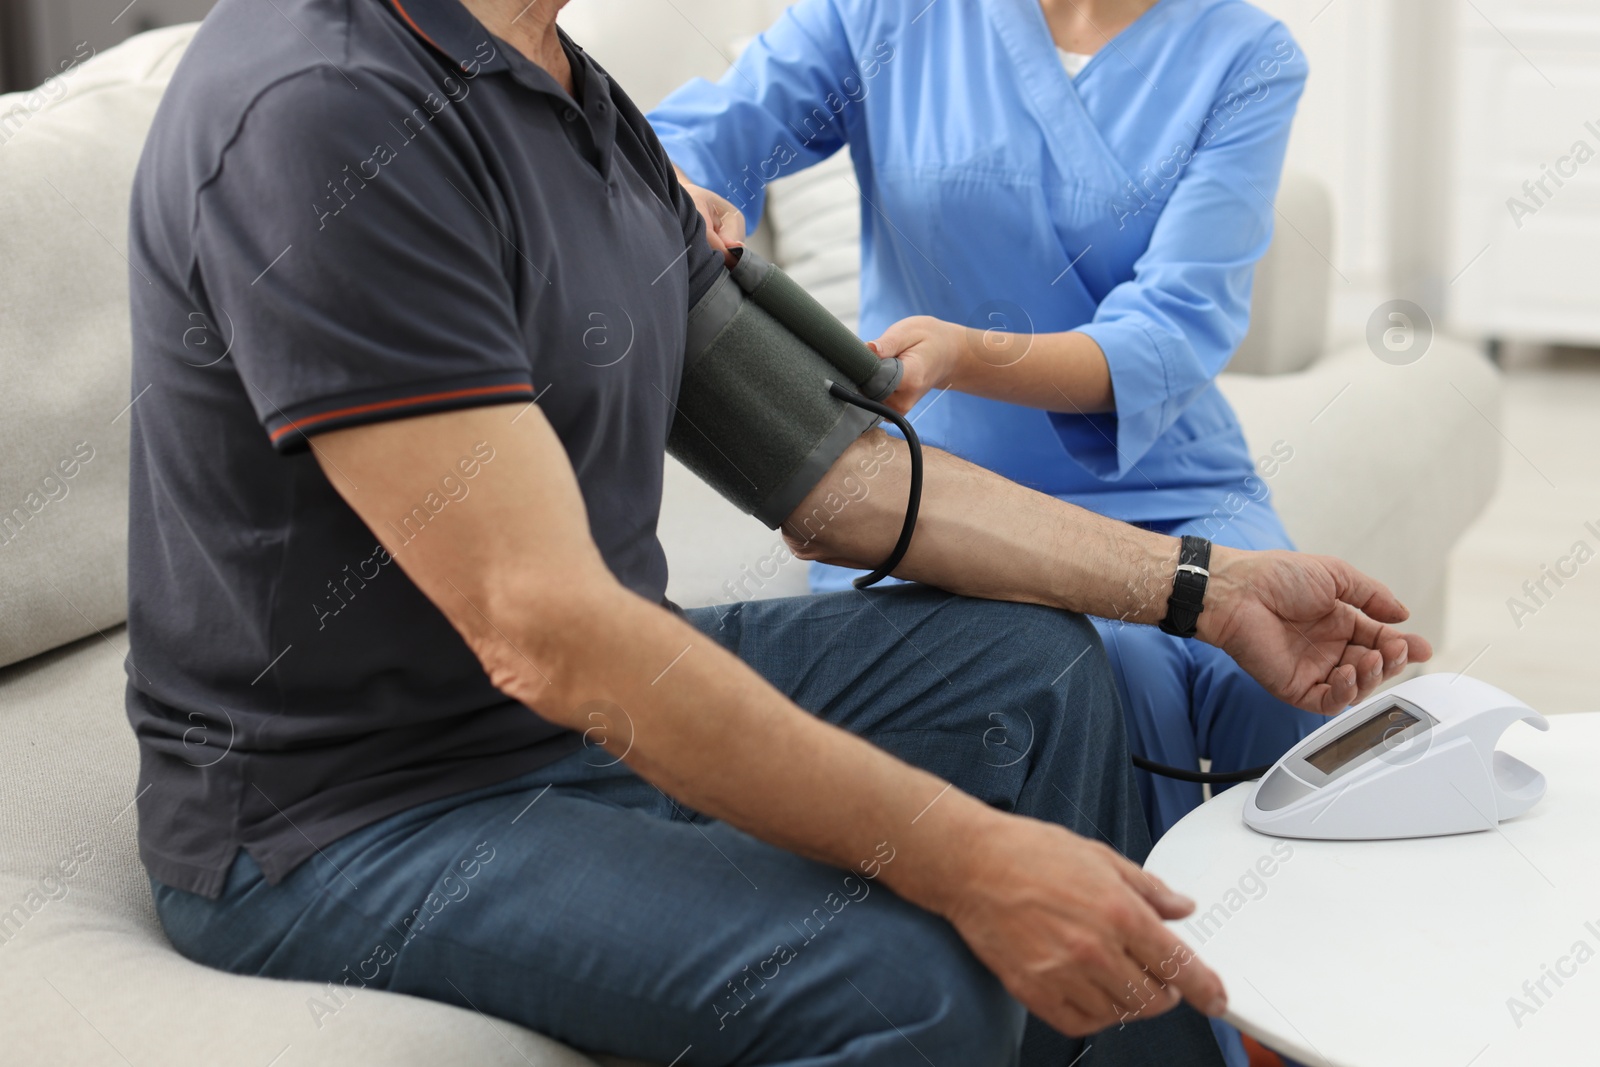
1525, 222
697, 35
1345, 133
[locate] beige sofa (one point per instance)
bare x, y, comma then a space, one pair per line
1389, 475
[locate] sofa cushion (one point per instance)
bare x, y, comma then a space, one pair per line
65, 171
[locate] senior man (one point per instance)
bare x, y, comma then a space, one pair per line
412, 709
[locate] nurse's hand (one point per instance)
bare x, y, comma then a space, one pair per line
930, 350
1313, 630
724, 222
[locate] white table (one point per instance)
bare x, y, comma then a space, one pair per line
1370, 954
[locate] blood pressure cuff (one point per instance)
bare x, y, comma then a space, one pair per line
756, 419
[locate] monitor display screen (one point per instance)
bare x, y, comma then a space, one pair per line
1362, 738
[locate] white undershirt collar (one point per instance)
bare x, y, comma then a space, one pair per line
1073, 61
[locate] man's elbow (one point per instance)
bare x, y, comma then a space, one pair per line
543, 642
839, 512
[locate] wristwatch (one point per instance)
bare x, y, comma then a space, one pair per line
1188, 588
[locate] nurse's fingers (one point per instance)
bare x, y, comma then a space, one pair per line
1397, 654
725, 225
898, 338
718, 236
730, 223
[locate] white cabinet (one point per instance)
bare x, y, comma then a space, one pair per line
1525, 186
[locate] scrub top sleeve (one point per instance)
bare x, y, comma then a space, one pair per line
353, 263
783, 106
1169, 330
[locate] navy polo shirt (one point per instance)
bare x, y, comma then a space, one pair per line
350, 211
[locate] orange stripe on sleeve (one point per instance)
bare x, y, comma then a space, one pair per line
311, 421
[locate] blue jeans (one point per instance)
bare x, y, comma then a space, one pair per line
580, 901
1183, 700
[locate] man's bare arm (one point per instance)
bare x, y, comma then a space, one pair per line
1312, 629
1067, 924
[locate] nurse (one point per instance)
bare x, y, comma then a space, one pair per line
1062, 206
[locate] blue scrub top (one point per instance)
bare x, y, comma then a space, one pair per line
1130, 203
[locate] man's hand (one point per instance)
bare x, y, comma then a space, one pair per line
1074, 930
724, 222
1312, 629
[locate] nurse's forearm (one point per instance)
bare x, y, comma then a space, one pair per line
1054, 371
981, 535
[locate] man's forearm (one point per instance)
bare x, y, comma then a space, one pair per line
519, 576
982, 535
703, 727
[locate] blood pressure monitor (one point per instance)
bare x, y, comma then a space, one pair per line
1417, 760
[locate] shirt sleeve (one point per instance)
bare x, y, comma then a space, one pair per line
1169, 330
781, 107
353, 258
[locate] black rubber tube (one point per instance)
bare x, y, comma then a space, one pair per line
1249, 774
914, 503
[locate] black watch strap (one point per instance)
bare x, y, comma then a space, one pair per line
1188, 588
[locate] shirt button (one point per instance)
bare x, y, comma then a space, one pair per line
570, 115
601, 106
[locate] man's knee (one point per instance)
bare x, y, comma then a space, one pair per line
1032, 641
881, 983
929, 996
1041, 673
1056, 656
971, 1019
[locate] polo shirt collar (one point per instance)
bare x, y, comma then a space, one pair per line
453, 31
